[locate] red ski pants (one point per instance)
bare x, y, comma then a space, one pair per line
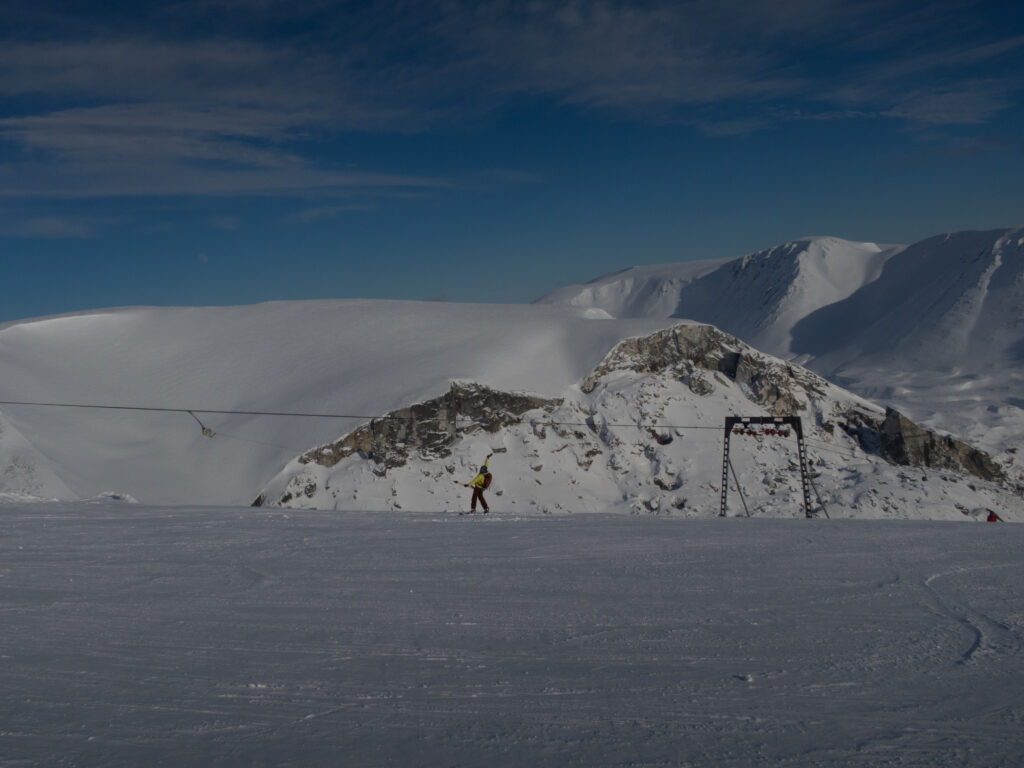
478, 495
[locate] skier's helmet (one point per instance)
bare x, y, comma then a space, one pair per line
484, 470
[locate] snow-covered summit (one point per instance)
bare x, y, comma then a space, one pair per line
758, 297
954, 300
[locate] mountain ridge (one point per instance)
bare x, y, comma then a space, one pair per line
935, 328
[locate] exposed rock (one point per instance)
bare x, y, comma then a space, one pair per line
674, 348
904, 442
779, 387
900, 441
667, 481
430, 428
700, 384
426, 430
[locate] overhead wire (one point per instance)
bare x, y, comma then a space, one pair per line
364, 417
816, 444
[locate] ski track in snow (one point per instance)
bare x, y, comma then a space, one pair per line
987, 633
156, 636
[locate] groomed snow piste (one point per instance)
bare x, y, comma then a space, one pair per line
232, 637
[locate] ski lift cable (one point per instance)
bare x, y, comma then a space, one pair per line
193, 411
302, 414
208, 432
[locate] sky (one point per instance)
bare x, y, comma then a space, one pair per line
211, 152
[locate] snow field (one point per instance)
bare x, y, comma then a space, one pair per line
235, 637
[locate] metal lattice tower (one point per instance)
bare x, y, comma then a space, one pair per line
731, 422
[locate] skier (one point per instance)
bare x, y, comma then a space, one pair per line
479, 484
993, 517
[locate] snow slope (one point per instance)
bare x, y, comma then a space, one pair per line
648, 291
347, 357
759, 297
25, 474
940, 334
145, 636
950, 301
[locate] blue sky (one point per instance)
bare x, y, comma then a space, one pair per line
235, 151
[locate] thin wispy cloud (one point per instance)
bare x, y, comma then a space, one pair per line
232, 97
50, 228
965, 104
178, 118
663, 61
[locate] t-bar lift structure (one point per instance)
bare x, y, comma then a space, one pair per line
743, 423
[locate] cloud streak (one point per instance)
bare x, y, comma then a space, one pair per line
176, 119
696, 63
232, 98
51, 228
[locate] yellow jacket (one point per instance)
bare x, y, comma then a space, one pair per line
480, 479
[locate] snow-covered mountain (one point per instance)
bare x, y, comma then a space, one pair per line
643, 433
759, 297
952, 301
935, 329
584, 413
651, 291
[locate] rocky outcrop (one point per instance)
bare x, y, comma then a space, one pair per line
784, 390
429, 429
687, 349
425, 430
900, 441
904, 442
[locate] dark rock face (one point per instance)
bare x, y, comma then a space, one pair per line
429, 429
685, 348
900, 441
681, 348
904, 442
